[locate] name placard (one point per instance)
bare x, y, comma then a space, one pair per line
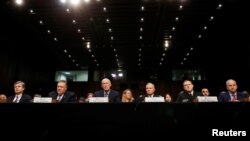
98, 100
154, 99
207, 98
42, 100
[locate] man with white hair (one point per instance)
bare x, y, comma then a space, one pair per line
107, 91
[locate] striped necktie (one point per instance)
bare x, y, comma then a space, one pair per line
16, 99
106, 94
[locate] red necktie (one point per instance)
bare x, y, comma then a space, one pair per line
234, 97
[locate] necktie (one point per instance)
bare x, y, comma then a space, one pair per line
105, 94
234, 97
16, 99
59, 98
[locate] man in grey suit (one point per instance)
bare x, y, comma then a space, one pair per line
106, 91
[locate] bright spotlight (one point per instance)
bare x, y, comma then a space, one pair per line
63, 1
19, 2
75, 2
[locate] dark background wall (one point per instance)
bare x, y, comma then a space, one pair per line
25, 55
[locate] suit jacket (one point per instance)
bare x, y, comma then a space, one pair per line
24, 99
186, 97
225, 96
68, 97
113, 95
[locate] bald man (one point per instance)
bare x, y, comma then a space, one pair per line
231, 95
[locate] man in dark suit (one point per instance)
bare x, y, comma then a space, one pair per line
19, 96
150, 92
231, 95
62, 95
112, 95
188, 95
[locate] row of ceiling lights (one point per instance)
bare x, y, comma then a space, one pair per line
141, 30
199, 36
86, 42
110, 32
74, 22
167, 40
51, 32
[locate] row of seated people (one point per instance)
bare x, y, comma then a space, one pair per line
61, 95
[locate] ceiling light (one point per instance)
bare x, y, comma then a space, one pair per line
55, 39
107, 20
63, 1
32, 11
86, 1
104, 9
88, 45
219, 6
120, 74
19, 2
113, 75
142, 8
166, 44
211, 18
141, 29
142, 19
177, 19
41, 22
180, 7
75, 2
